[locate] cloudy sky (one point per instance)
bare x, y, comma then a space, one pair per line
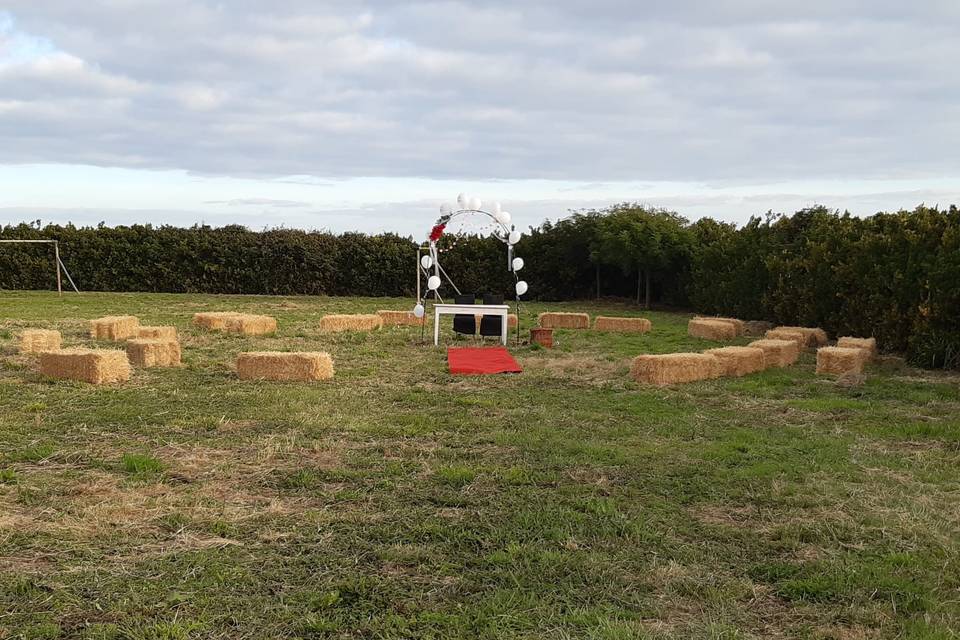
366, 115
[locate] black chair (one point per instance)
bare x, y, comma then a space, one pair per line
491, 325
463, 322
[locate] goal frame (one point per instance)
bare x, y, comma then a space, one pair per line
58, 262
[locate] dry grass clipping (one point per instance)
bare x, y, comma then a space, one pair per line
37, 340
344, 322
788, 334
867, 344
840, 360
711, 329
558, 320
96, 366
215, 320
739, 325
277, 365
635, 325
671, 368
163, 333
816, 337
401, 318
153, 352
738, 361
250, 325
114, 328
777, 353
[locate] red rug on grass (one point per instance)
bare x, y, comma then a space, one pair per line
481, 360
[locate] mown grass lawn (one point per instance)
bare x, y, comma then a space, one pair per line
397, 501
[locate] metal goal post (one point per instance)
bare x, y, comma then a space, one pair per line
56, 254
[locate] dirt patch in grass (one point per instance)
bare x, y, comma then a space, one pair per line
580, 369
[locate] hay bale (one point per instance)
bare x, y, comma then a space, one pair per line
671, 368
739, 325
277, 365
114, 328
867, 344
560, 320
96, 366
840, 360
214, 320
632, 325
738, 361
788, 334
164, 333
756, 328
816, 337
344, 322
777, 353
153, 352
711, 329
37, 340
250, 325
401, 318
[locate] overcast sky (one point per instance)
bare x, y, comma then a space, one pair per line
366, 115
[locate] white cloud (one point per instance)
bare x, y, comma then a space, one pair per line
733, 93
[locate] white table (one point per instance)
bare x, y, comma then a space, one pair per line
501, 310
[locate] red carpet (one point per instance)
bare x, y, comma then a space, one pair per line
481, 360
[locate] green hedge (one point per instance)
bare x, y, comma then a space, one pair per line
895, 276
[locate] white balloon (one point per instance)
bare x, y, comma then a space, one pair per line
514, 237
445, 209
418, 311
517, 264
433, 283
521, 287
426, 262
476, 203
505, 218
462, 200
495, 208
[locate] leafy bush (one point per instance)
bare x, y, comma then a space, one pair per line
894, 276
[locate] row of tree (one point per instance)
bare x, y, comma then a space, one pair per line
895, 276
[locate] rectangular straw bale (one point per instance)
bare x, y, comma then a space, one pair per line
840, 360
250, 325
96, 366
400, 318
114, 328
867, 344
777, 353
153, 352
711, 329
37, 340
739, 325
215, 320
347, 322
166, 333
671, 368
634, 325
561, 320
816, 337
277, 365
738, 361
788, 334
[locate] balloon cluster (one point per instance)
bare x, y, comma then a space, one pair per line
503, 229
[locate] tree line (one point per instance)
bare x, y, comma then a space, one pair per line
895, 276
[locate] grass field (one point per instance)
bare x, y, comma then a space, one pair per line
397, 501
